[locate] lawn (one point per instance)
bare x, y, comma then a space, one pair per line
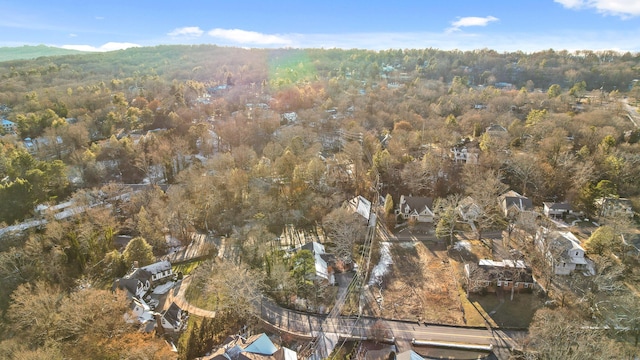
187, 267
506, 313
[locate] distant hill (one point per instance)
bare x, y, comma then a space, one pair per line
32, 52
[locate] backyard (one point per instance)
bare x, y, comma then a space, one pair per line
419, 286
424, 282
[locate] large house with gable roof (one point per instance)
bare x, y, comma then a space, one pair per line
416, 208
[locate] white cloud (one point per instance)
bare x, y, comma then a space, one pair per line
73, 35
561, 40
189, 31
110, 46
248, 37
471, 21
623, 8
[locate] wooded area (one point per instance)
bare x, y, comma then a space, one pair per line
253, 140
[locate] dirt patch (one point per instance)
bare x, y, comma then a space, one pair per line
421, 285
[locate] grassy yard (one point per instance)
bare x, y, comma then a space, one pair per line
506, 313
473, 314
187, 267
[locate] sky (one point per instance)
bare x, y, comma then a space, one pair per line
501, 25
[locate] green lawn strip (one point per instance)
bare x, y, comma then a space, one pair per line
186, 267
517, 313
473, 314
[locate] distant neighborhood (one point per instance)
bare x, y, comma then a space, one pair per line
204, 202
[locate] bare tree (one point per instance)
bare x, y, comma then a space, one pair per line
236, 288
344, 228
556, 334
484, 187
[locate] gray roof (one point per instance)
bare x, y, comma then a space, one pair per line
417, 203
131, 285
557, 206
172, 314
512, 198
158, 267
140, 274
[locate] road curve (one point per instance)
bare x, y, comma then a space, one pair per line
307, 324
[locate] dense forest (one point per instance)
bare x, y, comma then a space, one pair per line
253, 140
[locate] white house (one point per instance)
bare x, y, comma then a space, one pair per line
416, 207
159, 271
9, 127
142, 314
322, 268
140, 280
563, 251
614, 207
552, 209
174, 319
362, 206
511, 203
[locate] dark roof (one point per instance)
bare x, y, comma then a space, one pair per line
496, 127
417, 203
131, 285
140, 274
172, 314
521, 202
504, 273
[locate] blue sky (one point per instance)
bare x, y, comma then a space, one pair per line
502, 25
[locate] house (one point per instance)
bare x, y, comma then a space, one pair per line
496, 130
9, 127
362, 206
136, 287
552, 209
174, 319
511, 203
632, 243
416, 208
156, 272
289, 117
140, 280
142, 314
322, 269
253, 347
30, 145
612, 207
562, 251
489, 275
468, 209
466, 155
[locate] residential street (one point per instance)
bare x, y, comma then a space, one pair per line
306, 324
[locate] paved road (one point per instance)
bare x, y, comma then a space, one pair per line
332, 328
305, 324
633, 114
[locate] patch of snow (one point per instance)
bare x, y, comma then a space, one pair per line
462, 245
383, 265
